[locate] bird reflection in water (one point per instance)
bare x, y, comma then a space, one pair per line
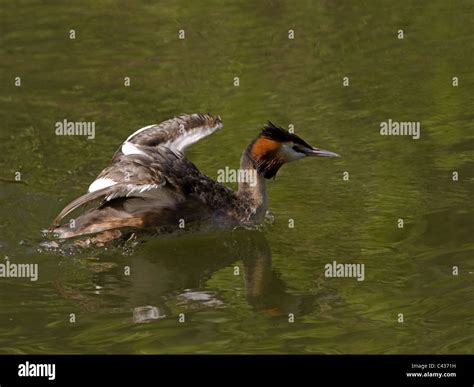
176, 270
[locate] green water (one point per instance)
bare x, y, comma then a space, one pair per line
296, 81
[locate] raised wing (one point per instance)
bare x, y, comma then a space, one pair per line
150, 165
176, 133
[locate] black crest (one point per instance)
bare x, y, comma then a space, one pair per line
279, 134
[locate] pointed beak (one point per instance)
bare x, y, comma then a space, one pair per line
315, 152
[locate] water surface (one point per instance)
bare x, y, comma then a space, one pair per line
280, 269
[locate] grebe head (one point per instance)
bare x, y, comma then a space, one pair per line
275, 146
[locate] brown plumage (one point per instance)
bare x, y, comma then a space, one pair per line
150, 183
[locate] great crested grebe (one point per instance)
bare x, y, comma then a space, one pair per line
150, 183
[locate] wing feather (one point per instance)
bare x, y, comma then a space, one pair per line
149, 163
176, 134
84, 199
131, 176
